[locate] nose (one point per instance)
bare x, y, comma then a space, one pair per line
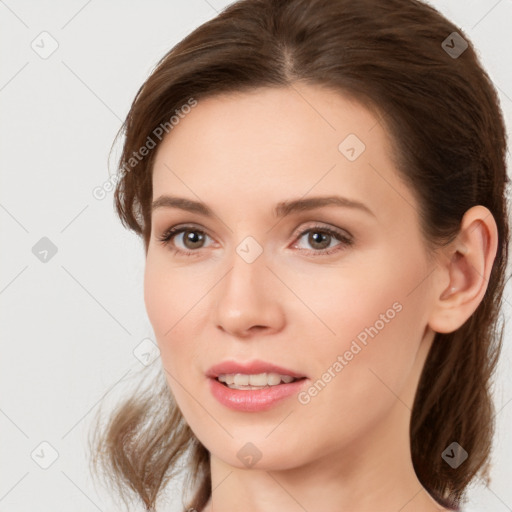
248, 299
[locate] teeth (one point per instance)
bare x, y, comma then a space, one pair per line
241, 379
260, 380
273, 379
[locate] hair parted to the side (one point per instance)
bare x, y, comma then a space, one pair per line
444, 119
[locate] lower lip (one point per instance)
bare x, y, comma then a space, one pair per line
254, 400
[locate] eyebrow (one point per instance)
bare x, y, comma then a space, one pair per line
282, 209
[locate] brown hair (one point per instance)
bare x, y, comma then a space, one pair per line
443, 114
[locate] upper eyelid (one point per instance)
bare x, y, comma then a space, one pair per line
314, 224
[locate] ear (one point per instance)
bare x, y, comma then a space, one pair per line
463, 270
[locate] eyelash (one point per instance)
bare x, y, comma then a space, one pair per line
166, 237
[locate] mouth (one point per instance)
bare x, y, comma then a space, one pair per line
255, 374
256, 386
256, 380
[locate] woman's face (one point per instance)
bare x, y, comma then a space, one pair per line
338, 294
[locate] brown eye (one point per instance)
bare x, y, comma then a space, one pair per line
319, 240
193, 239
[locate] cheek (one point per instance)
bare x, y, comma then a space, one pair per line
164, 299
379, 325
169, 294
157, 296
173, 303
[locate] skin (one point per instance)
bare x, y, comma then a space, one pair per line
348, 448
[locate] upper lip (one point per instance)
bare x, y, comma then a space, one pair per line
249, 368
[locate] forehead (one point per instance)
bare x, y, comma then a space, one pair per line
269, 144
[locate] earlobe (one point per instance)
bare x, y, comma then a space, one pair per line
468, 262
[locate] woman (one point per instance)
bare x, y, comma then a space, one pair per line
321, 190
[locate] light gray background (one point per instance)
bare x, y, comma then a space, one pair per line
70, 325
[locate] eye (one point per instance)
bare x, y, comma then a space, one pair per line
192, 240
320, 238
